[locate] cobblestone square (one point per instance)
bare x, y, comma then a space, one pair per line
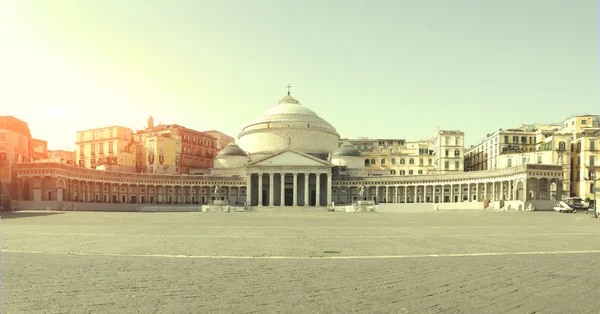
440, 262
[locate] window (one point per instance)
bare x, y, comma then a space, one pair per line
561, 146
402, 162
456, 165
523, 160
420, 171
446, 165
592, 145
82, 150
539, 159
447, 153
583, 121
392, 171
81, 163
506, 139
592, 161
383, 162
429, 161
393, 161
509, 162
515, 140
447, 140
457, 141
411, 161
110, 133
457, 153
81, 137
110, 147
2, 137
410, 172
402, 172
101, 148
93, 149
372, 161
591, 187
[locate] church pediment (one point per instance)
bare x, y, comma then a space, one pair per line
290, 158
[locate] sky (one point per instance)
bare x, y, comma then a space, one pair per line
380, 69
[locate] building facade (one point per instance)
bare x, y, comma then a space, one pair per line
16, 145
40, 149
290, 157
106, 148
193, 149
570, 144
222, 138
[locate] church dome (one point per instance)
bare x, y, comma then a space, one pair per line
289, 124
346, 150
231, 150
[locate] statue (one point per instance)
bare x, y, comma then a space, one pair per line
289, 141
361, 192
217, 190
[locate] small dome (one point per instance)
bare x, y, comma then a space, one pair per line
231, 150
346, 150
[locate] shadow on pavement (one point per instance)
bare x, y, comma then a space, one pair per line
26, 214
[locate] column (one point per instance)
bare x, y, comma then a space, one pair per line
295, 195
415, 196
451, 193
405, 194
329, 189
248, 189
318, 188
271, 189
501, 190
282, 189
493, 198
377, 194
477, 192
387, 194
260, 188
460, 195
237, 198
306, 180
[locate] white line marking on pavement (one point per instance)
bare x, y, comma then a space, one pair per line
303, 257
420, 235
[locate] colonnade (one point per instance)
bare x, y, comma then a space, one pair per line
452, 192
289, 188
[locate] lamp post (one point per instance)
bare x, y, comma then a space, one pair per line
593, 179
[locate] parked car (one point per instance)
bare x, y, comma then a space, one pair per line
562, 207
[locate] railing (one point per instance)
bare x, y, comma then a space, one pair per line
459, 175
129, 175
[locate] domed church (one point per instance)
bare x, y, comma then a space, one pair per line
286, 153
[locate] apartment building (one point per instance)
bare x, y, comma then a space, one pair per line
400, 157
16, 145
108, 148
222, 139
571, 144
193, 149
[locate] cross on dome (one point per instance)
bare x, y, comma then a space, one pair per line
288, 87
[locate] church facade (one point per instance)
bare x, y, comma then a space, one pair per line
287, 157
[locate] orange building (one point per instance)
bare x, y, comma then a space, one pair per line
16, 145
197, 148
40, 149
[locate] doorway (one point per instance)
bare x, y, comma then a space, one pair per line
313, 198
289, 197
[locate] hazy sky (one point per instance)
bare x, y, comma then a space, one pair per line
392, 69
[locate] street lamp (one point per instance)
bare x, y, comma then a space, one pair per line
593, 179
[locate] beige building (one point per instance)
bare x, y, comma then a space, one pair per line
571, 144
448, 151
222, 139
440, 154
106, 148
157, 152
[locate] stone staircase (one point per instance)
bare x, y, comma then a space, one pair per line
290, 209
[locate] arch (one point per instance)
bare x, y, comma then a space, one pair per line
543, 188
520, 191
553, 190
